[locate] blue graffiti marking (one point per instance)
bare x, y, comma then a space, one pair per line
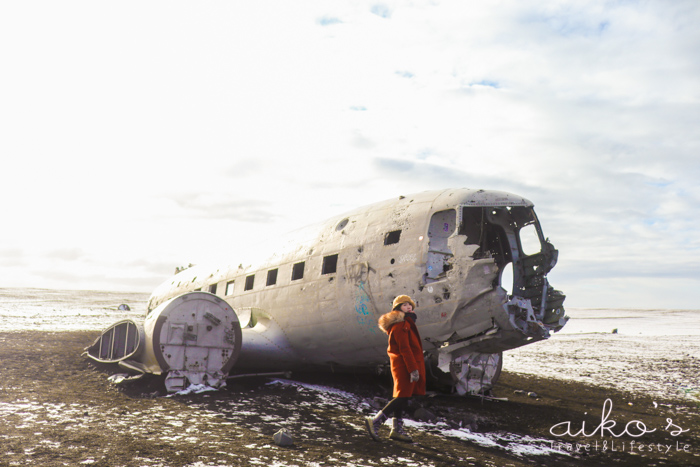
364, 317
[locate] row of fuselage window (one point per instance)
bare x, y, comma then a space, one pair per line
330, 265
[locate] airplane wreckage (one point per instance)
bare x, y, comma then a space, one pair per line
314, 303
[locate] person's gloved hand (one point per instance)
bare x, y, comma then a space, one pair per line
414, 376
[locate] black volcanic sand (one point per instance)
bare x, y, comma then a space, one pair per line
58, 408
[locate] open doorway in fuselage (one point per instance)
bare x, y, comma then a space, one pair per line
442, 226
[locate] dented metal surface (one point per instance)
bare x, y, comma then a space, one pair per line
314, 302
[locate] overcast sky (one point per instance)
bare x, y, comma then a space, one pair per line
139, 136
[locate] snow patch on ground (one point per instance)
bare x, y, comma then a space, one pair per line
518, 445
193, 389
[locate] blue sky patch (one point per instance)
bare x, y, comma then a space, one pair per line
659, 183
328, 21
570, 24
381, 10
487, 82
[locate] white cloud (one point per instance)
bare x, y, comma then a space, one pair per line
156, 133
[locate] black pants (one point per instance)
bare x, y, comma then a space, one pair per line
395, 407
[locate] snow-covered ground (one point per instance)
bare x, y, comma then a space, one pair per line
66, 310
655, 352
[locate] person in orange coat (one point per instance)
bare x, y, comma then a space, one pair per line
407, 366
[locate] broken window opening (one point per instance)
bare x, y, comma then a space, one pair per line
229, 288
249, 281
506, 279
330, 264
392, 237
271, 277
298, 271
529, 240
212, 288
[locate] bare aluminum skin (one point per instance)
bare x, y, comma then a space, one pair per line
447, 249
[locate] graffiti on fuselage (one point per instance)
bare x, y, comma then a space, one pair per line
362, 308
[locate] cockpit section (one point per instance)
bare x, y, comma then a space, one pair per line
512, 236
499, 258
509, 235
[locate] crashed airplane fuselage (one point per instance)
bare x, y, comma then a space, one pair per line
315, 303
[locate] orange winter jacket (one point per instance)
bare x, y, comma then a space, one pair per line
405, 354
